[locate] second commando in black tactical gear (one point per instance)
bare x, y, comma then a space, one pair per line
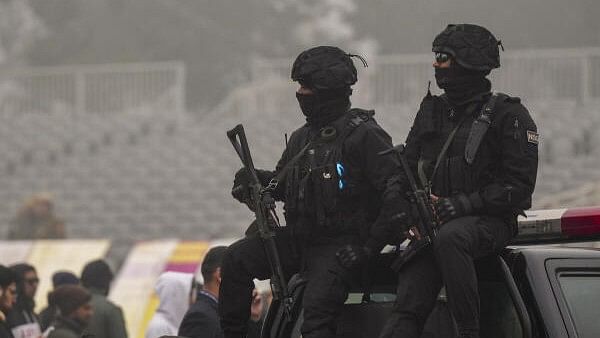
477, 153
333, 192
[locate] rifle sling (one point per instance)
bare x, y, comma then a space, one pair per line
281, 175
427, 182
479, 128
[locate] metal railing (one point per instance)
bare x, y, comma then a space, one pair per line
572, 74
103, 88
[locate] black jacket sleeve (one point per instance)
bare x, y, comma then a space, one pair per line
395, 198
279, 192
296, 142
422, 124
515, 181
413, 141
199, 324
369, 140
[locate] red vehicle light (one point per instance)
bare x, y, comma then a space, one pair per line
578, 222
559, 225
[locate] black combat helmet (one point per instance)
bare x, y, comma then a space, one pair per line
472, 46
324, 68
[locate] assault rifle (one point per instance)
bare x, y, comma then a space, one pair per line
263, 205
426, 225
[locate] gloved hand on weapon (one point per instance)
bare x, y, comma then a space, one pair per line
352, 256
242, 181
449, 208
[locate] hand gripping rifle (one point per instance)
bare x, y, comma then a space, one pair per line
264, 209
421, 200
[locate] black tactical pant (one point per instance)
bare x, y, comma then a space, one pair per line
324, 296
448, 262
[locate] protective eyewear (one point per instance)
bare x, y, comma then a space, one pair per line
441, 57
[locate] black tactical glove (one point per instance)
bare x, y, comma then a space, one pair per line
241, 186
394, 218
398, 210
351, 256
449, 208
402, 221
242, 181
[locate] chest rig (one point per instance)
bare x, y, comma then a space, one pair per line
450, 161
318, 184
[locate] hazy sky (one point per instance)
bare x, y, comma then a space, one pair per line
217, 39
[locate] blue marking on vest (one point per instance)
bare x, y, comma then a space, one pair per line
340, 171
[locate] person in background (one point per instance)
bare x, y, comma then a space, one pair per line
75, 312
108, 320
257, 314
8, 295
202, 319
176, 293
48, 314
36, 220
22, 319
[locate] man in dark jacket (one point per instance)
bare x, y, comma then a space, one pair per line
48, 314
332, 181
108, 320
73, 302
477, 153
22, 320
202, 319
8, 295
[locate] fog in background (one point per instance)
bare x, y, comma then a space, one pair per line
113, 113
218, 39
117, 109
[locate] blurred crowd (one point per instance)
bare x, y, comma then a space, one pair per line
188, 309
78, 305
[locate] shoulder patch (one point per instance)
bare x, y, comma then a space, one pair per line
533, 137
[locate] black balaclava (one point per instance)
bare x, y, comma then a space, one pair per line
330, 73
324, 106
462, 85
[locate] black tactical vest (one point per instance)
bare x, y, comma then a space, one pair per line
322, 196
456, 172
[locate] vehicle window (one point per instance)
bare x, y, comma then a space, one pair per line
582, 293
499, 318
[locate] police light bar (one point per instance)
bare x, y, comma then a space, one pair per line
573, 224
